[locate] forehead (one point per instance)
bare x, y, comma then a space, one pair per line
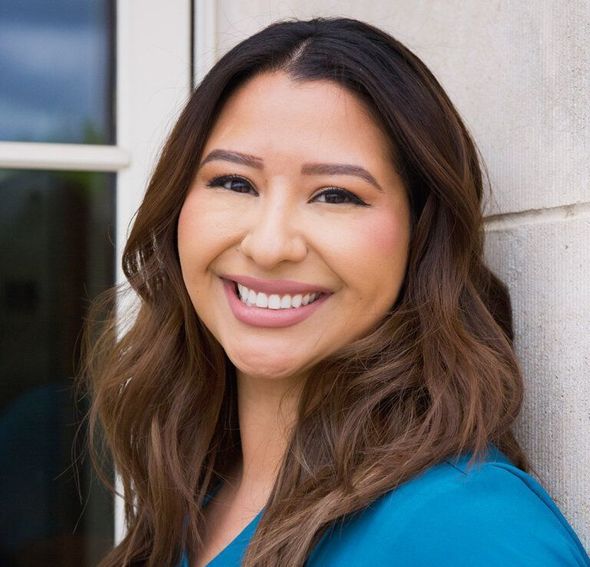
273, 111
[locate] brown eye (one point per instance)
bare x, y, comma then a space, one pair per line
337, 196
232, 183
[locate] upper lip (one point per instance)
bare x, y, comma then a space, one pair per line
279, 287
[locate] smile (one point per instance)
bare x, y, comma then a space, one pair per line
274, 301
272, 310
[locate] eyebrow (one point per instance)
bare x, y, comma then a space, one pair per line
306, 169
339, 169
235, 157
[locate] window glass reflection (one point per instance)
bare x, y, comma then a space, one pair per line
57, 71
56, 252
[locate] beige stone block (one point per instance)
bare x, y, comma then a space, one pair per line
545, 264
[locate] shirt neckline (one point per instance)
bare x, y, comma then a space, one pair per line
243, 536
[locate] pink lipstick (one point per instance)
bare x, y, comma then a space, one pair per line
272, 318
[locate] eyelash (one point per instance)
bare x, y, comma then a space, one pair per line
353, 199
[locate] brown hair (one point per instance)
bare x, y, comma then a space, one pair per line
438, 377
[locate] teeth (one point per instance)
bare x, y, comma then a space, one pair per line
274, 301
262, 300
243, 291
251, 297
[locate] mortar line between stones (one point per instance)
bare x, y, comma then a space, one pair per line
503, 221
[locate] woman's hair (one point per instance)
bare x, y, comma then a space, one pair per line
437, 378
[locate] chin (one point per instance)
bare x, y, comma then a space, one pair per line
267, 367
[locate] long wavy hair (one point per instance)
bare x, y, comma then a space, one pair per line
437, 378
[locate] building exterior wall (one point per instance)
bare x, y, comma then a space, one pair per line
519, 74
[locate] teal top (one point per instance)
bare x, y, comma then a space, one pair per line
492, 514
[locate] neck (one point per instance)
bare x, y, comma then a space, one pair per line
267, 413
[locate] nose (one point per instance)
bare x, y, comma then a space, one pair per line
273, 235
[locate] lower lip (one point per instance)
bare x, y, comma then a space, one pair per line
262, 317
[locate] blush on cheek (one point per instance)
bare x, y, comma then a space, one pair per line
383, 235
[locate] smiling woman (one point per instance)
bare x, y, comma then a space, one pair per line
321, 369
263, 212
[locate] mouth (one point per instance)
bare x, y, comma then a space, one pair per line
276, 301
262, 309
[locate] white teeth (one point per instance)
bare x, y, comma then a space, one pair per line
262, 300
243, 291
251, 297
274, 301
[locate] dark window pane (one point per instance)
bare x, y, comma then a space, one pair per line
56, 252
57, 71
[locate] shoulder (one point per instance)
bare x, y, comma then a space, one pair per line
489, 511
486, 514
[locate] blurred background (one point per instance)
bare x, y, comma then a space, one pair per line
88, 90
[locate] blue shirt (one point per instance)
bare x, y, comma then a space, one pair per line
492, 514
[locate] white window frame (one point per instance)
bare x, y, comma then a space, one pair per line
154, 78
204, 38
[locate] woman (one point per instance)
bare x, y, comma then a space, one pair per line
320, 369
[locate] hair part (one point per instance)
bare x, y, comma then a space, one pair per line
437, 377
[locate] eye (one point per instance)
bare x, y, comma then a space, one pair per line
233, 183
337, 196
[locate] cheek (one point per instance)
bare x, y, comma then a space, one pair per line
383, 236
373, 255
190, 226
204, 229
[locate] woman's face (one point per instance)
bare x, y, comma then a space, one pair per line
297, 200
